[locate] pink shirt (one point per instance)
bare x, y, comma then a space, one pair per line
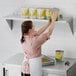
32, 49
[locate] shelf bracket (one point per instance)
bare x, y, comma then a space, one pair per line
10, 23
70, 21
3, 71
71, 26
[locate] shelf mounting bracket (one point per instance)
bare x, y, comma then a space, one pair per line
10, 23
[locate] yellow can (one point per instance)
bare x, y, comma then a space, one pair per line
48, 14
32, 13
25, 12
41, 13
59, 55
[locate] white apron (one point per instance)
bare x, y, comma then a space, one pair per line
35, 66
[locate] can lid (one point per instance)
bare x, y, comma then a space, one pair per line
59, 51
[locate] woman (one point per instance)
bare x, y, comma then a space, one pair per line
31, 42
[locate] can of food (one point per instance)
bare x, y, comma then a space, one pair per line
25, 12
32, 13
41, 13
59, 55
48, 14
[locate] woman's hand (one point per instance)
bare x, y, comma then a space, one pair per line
54, 16
49, 22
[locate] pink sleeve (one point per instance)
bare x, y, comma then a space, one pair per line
43, 37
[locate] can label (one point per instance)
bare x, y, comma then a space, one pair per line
41, 14
59, 55
32, 13
48, 14
25, 12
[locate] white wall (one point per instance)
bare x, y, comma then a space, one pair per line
9, 40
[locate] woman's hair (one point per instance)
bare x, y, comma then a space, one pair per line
25, 26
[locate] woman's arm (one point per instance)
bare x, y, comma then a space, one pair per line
50, 24
42, 29
45, 36
51, 27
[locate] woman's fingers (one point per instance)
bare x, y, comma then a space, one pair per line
54, 15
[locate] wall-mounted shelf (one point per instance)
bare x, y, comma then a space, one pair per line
11, 18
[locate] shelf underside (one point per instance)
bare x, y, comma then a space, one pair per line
11, 18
